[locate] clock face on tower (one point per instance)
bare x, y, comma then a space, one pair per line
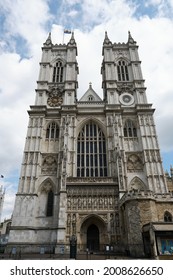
54, 101
55, 98
126, 99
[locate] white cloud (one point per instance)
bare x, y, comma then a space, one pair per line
18, 75
154, 2
73, 13
27, 19
17, 82
163, 7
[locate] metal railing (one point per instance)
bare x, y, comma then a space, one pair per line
48, 251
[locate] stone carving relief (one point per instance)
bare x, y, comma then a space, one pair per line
137, 184
71, 223
91, 180
114, 223
74, 224
125, 87
49, 165
120, 54
91, 198
31, 157
146, 120
134, 163
47, 186
152, 156
37, 122
68, 223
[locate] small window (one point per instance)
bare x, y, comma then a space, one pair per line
167, 217
58, 72
130, 129
50, 200
122, 69
91, 98
52, 131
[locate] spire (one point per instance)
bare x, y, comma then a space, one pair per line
130, 39
106, 36
49, 36
106, 40
72, 39
49, 40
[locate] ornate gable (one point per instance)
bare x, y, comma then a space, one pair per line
90, 95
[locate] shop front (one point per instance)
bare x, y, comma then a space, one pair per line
158, 240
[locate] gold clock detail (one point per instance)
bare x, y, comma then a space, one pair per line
55, 98
54, 101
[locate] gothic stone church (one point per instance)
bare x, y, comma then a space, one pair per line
91, 168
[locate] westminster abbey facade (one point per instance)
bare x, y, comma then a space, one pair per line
91, 167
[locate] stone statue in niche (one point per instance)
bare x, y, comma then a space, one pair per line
112, 223
31, 158
68, 223
74, 224
64, 160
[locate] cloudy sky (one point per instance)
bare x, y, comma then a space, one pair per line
24, 26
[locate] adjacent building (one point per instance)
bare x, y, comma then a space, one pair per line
2, 195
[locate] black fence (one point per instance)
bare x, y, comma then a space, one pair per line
72, 250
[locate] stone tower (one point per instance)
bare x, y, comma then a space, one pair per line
134, 130
91, 168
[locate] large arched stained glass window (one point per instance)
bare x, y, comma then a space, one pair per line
91, 152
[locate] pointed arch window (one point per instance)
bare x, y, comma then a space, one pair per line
91, 152
52, 131
167, 217
50, 202
130, 129
58, 72
122, 69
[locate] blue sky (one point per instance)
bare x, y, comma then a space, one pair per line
24, 26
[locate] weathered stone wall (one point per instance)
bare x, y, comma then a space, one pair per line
148, 211
162, 207
133, 220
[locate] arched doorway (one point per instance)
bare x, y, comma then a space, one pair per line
93, 233
93, 238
